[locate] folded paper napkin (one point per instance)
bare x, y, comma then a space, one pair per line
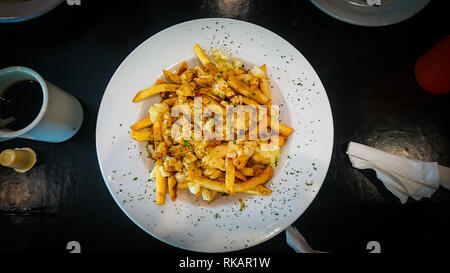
297, 241
401, 176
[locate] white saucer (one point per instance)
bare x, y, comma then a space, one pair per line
21, 10
358, 12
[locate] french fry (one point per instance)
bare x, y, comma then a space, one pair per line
172, 184
144, 123
157, 133
161, 184
165, 95
208, 101
142, 136
240, 175
282, 129
257, 169
204, 82
204, 59
202, 72
265, 88
201, 55
247, 101
157, 136
245, 90
254, 181
170, 101
187, 75
155, 89
282, 140
183, 67
254, 83
239, 71
259, 190
206, 182
264, 83
245, 78
238, 187
213, 195
159, 81
204, 91
182, 185
172, 76
179, 151
186, 90
241, 161
242, 203
247, 171
229, 175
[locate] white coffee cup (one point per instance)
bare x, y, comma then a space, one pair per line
61, 114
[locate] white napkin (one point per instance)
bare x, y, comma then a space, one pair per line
401, 176
297, 241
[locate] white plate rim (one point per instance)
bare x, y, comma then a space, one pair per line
318, 81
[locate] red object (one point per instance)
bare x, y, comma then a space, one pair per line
432, 70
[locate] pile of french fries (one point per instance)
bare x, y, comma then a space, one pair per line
209, 166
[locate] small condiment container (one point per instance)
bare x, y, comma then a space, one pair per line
21, 160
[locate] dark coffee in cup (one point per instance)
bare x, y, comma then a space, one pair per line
21, 100
39, 109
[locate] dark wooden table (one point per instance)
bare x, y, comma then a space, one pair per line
368, 76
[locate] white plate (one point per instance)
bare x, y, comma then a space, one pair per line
21, 10
220, 226
357, 12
